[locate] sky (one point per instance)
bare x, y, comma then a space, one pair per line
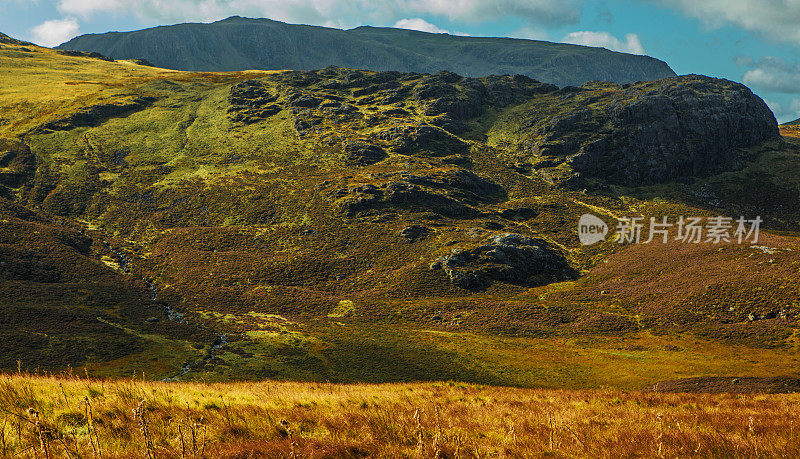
755, 42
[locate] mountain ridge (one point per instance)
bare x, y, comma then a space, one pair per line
238, 43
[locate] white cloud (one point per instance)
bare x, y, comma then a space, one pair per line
535, 11
87, 7
776, 107
785, 111
776, 19
631, 44
55, 31
339, 13
774, 74
418, 24
744, 61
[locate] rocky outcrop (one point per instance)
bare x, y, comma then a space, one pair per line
93, 115
250, 101
646, 133
17, 165
92, 55
451, 193
519, 214
415, 232
363, 153
446, 93
509, 257
424, 140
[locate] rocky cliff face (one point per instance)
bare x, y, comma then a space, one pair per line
645, 133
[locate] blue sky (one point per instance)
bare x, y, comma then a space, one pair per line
756, 42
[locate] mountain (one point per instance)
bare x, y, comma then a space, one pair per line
240, 43
353, 225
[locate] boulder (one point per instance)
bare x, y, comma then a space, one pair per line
363, 153
17, 164
450, 193
423, 140
508, 257
647, 133
414, 232
94, 115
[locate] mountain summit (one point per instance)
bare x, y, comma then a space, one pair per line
240, 43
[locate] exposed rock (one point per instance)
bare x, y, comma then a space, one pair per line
424, 140
143, 62
373, 88
363, 153
504, 90
461, 183
305, 101
448, 193
251, 102
414, 232
96, 114
250, 115
646, 133
305, 120
92, 55
519, 214
508, 257
457, 160
337, 108
403, 195
300, 78
17, 164
460, 99
396, 111
250, 93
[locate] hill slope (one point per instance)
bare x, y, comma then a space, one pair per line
240, 44
349, 225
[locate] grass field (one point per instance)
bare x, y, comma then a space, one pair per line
74, 417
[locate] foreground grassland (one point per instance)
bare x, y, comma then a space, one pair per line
73, 417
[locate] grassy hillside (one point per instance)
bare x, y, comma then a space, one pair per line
791, 129
75, 417
241, 43
346, 226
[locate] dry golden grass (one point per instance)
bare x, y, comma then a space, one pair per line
75, 417
790, 130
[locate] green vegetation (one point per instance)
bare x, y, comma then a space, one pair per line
319, 226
